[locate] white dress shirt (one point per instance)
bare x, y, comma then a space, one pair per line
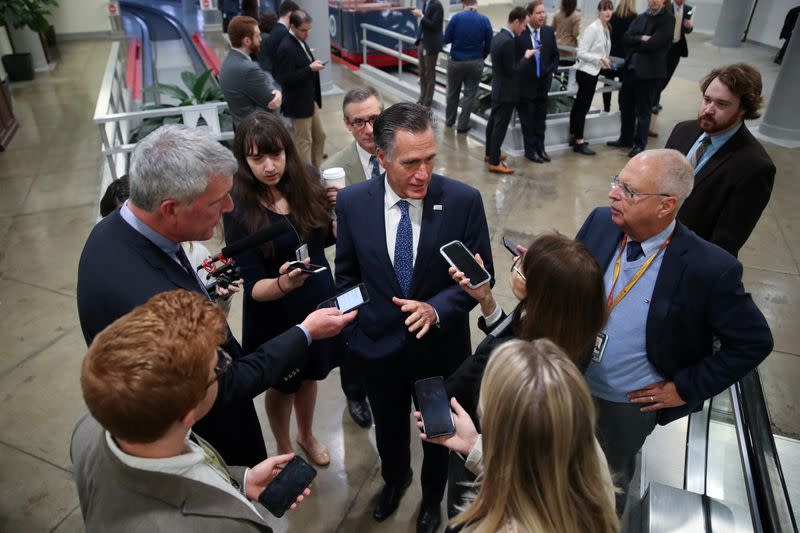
392, 216
364, 157
191, 465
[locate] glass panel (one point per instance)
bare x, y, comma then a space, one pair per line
725, 477
789, 453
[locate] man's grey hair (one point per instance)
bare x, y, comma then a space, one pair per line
358, 95
677, 175
176, 162
404, 116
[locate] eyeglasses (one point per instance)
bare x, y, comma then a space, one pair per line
224, 363
515, 268
629, 193
361, 122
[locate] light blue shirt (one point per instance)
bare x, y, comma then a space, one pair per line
625, 366
717, 142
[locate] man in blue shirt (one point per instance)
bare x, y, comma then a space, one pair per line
733, 174
670, 295
469, 35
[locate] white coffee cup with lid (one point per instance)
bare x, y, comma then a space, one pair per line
334, 177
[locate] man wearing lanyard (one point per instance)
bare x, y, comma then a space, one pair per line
670, 294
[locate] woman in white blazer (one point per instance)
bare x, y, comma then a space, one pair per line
594, 49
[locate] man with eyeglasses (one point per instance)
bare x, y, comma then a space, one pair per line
360, 107
147, 379
671, 296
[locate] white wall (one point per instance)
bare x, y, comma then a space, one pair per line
768, 21
81, 16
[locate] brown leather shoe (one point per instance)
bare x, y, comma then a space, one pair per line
503, 157
502, 168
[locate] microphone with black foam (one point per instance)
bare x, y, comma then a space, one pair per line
228, 272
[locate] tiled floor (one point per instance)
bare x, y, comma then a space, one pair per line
50, 177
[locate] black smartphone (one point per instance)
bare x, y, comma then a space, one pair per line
432, 402
290, 483
459, 257
348, 300
510, 245
308, 269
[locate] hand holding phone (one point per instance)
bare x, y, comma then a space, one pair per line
465, 436
348, 300
436, 417
308, 268
287, 486
462, 259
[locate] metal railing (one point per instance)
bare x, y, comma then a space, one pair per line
117, 118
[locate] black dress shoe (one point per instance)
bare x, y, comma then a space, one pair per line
536, 158
583, 148
389, 499
571, 140
359, 410
635, 151
463, 130
619, 143
544, 155
429, 519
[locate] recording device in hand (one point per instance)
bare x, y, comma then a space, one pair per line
511, 246
348, 300
461, 258
290, 483
432, 402
307, 268
226, 274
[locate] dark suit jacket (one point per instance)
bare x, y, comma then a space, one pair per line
245, 86
300, 85
117, 497
731, 189
548, 62
698, 295
431, 26
362, 256
506, 64
687, 10
272, 44
649, 58
120, 269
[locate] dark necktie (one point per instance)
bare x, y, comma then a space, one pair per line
404, 249
698, 154
187, 266
376, 168
634, 251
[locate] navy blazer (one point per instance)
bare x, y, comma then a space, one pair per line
698, 296
300, 85
271, 45
451, 211
506, 63
430, 25
120, 269
548, 59
731, 190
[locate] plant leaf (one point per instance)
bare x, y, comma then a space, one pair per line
169, 90
199, 84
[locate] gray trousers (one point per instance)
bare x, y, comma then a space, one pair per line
622, 430
467, 73
427, 76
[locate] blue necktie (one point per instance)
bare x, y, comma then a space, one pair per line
404, 249
376, 168
537, 44
634, 251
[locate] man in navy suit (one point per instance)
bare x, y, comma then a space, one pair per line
278, 33
180, 182
416, 324
535, 76
670, 295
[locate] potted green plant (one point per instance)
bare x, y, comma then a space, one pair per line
32, 14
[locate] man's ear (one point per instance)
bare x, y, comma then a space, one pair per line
668, 206
168, 209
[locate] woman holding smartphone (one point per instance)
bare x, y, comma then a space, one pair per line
594, 51
272, 185
561, 296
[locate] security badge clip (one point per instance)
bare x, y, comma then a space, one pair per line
600, 343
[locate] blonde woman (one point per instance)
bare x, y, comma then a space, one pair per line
542, 468
594, 53
620, 21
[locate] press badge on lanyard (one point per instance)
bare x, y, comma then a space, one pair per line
599, 349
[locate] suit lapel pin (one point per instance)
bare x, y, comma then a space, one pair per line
437, 207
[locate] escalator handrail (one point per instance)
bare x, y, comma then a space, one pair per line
768, 484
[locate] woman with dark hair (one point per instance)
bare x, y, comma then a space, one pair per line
594, 53
621, 20
561, 296
273, 185
567, 25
